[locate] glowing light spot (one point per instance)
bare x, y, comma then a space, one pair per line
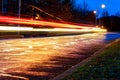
30, 47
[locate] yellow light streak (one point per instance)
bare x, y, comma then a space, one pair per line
6, 28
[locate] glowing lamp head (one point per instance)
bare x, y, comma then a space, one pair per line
94, 12
103, 6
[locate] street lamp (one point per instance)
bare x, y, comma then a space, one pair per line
19, 13
19, 10
102, 6
95, 12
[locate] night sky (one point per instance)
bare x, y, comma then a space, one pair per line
112, 6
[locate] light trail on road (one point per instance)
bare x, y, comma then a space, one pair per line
53, 26
15, 20
11, 28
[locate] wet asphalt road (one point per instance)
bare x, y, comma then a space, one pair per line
45, 58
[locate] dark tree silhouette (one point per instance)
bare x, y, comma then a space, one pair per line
54, 9
117, 14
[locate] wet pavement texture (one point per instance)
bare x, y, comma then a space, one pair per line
45, 58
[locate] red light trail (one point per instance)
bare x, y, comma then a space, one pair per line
15, 20
54, 26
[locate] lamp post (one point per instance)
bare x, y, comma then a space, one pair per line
95, 12
98, 15
102, 6
19, 13
19, 10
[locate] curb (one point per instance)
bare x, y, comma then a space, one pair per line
72, 69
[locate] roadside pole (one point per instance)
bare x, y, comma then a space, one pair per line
19, 13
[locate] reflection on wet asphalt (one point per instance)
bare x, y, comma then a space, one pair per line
44, 58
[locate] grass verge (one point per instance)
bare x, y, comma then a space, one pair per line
105, 66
